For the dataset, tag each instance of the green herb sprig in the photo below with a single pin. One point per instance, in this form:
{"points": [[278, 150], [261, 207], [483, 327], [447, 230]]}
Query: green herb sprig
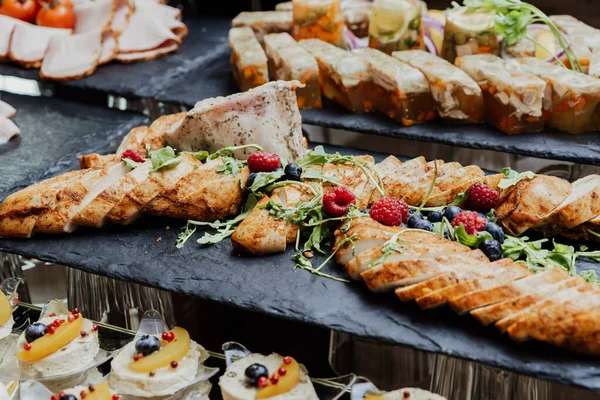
{"points": [[513, 177]]}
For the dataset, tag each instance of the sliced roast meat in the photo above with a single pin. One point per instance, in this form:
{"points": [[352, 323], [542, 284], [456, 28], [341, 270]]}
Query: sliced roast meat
{"points": [[8, 130], [145, 32], [368, 237], [6, 110], [148, 54], [72, 56], [267, 116], [29, 43], [94, 15], [123, 12], [7, 25], [419, 189], [95, 160], [110, 47], [447, 197], [158, 8]]}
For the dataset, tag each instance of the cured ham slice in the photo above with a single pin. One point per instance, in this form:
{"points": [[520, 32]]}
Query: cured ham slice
{"points": [[72, 56], [8, 130], [29, 43], [144, 33], [157, 9], [146, 55], [168, 20], [110, 48], [122, 14], [6, 110], [94, 15], [7, 25]]}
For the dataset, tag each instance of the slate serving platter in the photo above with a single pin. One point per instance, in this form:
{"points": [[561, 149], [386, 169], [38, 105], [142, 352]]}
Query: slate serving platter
{"points": [[207, 37], [54, 133], [215, 79], [145, 253]]}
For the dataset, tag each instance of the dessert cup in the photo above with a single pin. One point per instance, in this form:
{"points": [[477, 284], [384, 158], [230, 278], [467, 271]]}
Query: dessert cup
{"points": [[31, 390], [188, 379], [9, 299]]}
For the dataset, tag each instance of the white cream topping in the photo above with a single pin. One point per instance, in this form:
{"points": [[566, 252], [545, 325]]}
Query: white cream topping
{"points": [[74, 357], [165, 380], [6, 329], [3, 393]]}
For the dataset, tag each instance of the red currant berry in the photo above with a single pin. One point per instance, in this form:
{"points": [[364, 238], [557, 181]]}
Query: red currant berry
{"points": [[263, 382], [282, 371]]}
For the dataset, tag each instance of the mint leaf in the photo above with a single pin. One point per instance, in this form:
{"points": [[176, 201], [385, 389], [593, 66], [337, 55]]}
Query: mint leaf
{"points": [[513, 177]]}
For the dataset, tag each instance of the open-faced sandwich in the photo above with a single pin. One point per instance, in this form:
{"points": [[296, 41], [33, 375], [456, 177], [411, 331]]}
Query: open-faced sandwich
{"points": [[154, 365], [260, 377], [58, 345]]}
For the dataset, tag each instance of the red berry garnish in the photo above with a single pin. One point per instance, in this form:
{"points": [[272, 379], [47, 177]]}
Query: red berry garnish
{"points": [[82, 394], [27, 347], [481, 198], [52, 315], [168, 336], [263, 161], [54, 397], [287, 360], [472, 221], [94, 328], [133, 155], [282, 371], [51, 329], [337, 201], [75, 311], [91, 388], [16, 301], [174, 364], [83, 333], [274, 379], [71, 318], [263, 382], [115, 397], [390, 211]]}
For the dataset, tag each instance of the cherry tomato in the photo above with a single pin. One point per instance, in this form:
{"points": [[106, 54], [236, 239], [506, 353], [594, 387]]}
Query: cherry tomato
{"points": [[25, 10], [58, 15]]}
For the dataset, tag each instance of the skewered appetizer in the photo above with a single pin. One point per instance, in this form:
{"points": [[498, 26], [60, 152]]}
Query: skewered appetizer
{"points": [[458, 97], [248, 60], [467, 33], [396, 25], [512, 97], [100, 391], [343, 75], [319, 19], [260, 377], [153, 366], [289, 61], [58, 345], [399, 90]]}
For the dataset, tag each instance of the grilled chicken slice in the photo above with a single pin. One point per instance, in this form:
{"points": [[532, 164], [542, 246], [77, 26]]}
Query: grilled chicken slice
{"points": [[75, 196], [393, 274], [412, 244], [93, 214], [525, 204], [397, 176], [202, 195], [370, 234], [154, 136], [483, 279], [260, 232], [582, 204], [419, 189], [448, 196], [506, 290], [496, 311], [133, 201], [19, 211], [96, 161], [452, 277]]}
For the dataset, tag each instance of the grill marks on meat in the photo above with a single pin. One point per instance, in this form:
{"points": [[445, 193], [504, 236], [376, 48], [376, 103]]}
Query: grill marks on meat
{"points": [[549, 306]]}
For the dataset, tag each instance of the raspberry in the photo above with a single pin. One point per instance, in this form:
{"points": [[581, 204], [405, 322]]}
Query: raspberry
{"points": [[263, 162], [132, 155], [481, 198], [337, 201], [472, 221], [390, 211]]}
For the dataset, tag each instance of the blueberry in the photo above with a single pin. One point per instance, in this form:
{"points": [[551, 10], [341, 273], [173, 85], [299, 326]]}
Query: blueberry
{"points": [[251, 179], [492, 249], [423, 224], [435, 216], [35, 331], [446, 233], [451, 212], [496, 232], [254, 372], [147, 345], [67, 397], [293, 172], [413, 220], [482, 215]]}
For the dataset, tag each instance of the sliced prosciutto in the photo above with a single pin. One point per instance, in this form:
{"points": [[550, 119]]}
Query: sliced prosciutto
{"points": [[6, 110], [72, 56], [8, 130], [94, 15], [145, 33], [29, 43], [147, 55]]}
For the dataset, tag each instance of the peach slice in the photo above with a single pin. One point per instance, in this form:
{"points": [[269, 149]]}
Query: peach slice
{"points": [[51, 343], [5, 309], [169, 352], [286, 382], [101, 392]]}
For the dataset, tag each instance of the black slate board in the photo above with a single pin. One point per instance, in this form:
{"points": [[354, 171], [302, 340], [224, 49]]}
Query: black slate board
{"points": [[207, 37], [215, 79], [53, 134], [145, 253]]}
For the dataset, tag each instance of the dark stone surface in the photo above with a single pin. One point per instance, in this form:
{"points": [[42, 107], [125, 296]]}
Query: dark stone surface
{"points": [[53, 134], [207, 36], [145, 253]]}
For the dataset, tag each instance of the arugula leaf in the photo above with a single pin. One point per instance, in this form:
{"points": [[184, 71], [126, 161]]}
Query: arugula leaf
{"points": [[230, 166], [513, 177], [591, 276], [389, 247], [264, 179], [318, 175], [199, 155], [564, 256], [472, 241], [431, 187], [163, 158], [130, 163]]}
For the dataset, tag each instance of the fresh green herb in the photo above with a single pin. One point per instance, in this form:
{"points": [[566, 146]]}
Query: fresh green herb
{"points": [[315, 174], [431, 187], [130, 163], [594, 233], [298, 213], [389, 247], [513, 177], [472, 241], [590, 276], [263, 180], [231, 165], [512, 17], [199, 155], [162, 158]]}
